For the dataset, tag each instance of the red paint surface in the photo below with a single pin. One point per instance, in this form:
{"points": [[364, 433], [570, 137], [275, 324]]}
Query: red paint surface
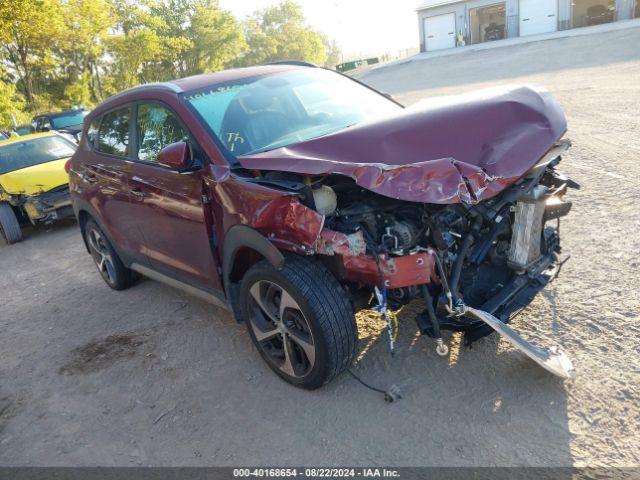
{"points": [[359, 267], [461, 149], [457, 149]]}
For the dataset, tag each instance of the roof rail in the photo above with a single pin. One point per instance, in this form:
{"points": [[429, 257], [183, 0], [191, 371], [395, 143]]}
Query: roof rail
{"points": [[146, 86], [298, 63]]}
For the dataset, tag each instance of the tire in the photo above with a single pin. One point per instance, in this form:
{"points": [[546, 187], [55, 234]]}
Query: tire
{"points": [[9, 226], [111, 268], [312, 338]]}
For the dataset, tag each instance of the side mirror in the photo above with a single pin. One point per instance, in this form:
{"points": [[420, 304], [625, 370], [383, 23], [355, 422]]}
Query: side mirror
{"points": [[176, 156]]}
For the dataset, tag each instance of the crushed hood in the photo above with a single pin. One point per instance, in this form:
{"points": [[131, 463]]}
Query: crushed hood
{"points": [[464, 148]]}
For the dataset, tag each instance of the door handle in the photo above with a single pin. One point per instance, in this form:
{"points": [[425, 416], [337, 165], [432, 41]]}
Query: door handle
{"points": [[90, 177], [136, 192]]}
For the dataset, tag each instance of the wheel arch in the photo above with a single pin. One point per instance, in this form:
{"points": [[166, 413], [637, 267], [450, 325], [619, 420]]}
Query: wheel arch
{"points": [[244, 247], [83, 218], [84, 213]]}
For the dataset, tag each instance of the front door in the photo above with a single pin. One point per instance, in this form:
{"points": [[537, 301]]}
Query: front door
{"points": [[168, 206]]}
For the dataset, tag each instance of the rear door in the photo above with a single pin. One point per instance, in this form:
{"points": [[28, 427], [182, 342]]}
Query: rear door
{"points": [[168, 206], [538, 16], [440, 32], [104, 173]]}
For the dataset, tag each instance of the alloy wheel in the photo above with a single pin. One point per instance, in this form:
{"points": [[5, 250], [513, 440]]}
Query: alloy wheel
{"points": [[281, 330], [102, 256]]}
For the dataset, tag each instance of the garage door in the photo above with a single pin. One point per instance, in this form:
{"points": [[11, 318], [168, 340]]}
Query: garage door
{"points": [[538, 16], [440, 32]]}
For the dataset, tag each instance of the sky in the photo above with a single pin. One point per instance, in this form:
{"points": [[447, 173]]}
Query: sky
{"points": [[361, 27]]}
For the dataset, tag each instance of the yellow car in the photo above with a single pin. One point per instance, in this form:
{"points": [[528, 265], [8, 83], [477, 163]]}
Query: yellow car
{"points": [[34, 185]]}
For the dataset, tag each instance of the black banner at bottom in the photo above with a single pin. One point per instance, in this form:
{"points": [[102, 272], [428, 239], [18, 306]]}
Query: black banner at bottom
{"points": [[392, 473]]}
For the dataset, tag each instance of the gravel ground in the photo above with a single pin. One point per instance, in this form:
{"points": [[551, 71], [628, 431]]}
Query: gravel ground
{"points": [[89, 376]]}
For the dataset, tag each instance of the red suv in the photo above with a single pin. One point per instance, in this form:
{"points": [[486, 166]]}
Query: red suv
{"points": [[294, 196]]}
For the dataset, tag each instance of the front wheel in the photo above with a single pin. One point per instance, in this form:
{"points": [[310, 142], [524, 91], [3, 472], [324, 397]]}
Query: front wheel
{"points": [[111, 268], [9, 225], [300, 319]]}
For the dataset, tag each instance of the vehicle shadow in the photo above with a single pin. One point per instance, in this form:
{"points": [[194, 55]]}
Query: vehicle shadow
{"points": [[497, 407], [30, 232]]}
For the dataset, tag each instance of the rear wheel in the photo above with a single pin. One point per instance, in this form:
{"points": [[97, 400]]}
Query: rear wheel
{"points": [[300, 319], [111, 268], [9, 226]]}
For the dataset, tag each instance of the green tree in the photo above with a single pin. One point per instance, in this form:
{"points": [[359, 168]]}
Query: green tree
{"points": [[198, 35], [80, 91], [164, 39], [282, 33], [82, 47], [334, 53], [29, 30], [10, 103], [217, 38], [136, 56], [59, 53]]}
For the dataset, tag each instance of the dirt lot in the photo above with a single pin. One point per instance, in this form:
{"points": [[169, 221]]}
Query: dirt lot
{"points": [[150, 376]]}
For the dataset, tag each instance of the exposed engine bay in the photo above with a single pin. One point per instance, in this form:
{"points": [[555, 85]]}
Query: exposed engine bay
{"points": [[489, 258]]}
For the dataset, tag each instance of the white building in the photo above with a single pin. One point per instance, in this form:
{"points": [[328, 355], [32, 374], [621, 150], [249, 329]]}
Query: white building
{"points": [[451, 23]]}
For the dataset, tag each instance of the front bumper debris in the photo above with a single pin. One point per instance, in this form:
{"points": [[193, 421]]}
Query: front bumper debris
{"points": [[552, 359], [49, 206]]}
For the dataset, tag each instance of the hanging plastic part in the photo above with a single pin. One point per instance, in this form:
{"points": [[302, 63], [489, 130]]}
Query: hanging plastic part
{"points": [[389, 317], [551, 359]]}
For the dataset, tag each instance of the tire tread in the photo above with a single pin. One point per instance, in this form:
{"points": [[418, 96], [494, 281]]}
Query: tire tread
{"points": [[330, 306], [9, 224]]}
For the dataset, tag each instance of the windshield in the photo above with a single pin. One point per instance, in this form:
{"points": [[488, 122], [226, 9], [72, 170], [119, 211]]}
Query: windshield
{"points": [[69, 120], [264, 113], [27, 153]]}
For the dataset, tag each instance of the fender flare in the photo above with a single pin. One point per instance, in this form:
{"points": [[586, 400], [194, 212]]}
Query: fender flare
{"points": [[242, 236]]}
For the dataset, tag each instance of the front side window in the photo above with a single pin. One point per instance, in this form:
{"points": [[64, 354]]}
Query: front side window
{"points": [[113, 134], [19, 155], [267, 112], [157, 127]]}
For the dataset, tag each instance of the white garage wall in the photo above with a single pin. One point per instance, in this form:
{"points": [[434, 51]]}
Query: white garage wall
{"points": [[461, 10], [440, 32], [538, 16], [457, 8]]}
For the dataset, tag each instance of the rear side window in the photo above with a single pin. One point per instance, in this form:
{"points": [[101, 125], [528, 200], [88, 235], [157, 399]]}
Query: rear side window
{"points": [[113, 134], [157, 127], [92, 132]]}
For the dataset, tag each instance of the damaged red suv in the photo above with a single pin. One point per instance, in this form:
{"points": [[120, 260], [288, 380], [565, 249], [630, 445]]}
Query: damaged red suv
{"points": [[295, 196]]}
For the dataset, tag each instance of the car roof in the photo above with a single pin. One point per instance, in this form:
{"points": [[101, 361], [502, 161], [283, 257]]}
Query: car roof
{"points": [[23, 138], [198, 82]]}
